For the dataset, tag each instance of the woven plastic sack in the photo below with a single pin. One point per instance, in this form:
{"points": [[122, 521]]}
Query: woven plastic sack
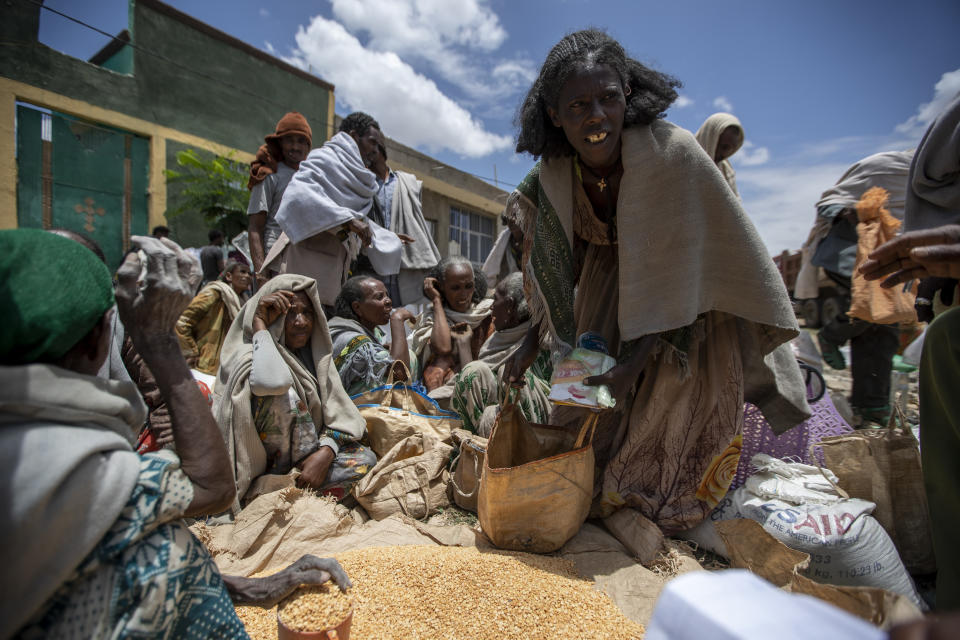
{"points": [[537, 482]]}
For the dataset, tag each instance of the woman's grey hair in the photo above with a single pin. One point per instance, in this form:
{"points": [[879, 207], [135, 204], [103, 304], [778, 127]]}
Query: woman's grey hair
{"points": [[350, 292], [479, 280], [512, 287]]}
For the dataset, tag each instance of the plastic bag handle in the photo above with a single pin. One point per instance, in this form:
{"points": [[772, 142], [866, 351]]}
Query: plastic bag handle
{"points": [[406, 403]]}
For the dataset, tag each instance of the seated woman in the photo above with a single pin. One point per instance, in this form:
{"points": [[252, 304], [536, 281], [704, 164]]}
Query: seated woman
{"points": [[451, 332], [479, 385], [98, 530], [279, 400], [361, 357], [203, 324]]}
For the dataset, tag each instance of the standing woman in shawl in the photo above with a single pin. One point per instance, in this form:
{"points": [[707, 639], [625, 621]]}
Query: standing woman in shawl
{"points": [[278, 399], [477, 388], [630, 232], [721, 136], [450, 333], [204, 323], [360, 356]]}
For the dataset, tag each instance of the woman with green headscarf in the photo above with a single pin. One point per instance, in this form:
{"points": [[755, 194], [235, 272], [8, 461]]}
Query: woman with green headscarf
{"points": [[93, 543]]}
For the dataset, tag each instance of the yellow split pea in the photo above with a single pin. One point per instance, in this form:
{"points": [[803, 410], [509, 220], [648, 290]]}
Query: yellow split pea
{"points": [[464, 593]]}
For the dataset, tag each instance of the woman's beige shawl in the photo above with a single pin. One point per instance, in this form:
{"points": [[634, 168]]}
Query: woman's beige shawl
{"points": [[686, 247], [328, 403], [230, 298], [709, 137]]}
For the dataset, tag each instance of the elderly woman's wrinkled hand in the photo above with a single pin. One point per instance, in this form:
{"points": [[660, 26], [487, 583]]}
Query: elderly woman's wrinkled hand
{"points": [[916, 254], [155, 285], [272, 307], [307, 571]]}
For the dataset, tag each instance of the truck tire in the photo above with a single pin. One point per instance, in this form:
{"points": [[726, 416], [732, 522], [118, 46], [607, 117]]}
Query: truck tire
{"points": [[810, 312], [830, 309]]}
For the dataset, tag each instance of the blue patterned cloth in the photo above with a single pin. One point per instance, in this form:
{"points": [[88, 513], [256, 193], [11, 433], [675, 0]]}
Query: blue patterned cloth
{"points": [[149, 577]]}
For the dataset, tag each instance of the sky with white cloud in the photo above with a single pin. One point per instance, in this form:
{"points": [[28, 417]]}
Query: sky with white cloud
{"points": [[817, 86]]}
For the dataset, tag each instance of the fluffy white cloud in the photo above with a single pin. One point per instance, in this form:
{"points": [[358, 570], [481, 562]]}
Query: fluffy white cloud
{"points": [[683, 101], [410, 107], [780, 200], [945, 90], [751, 155], [723, 104], [454, 37]]}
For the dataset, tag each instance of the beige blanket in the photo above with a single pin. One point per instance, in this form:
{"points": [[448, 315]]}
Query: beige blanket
{"points": [[324, 396], [686, 247]]}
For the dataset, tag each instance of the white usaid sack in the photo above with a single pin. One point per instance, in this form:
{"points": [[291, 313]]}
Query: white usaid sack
{"points": [[799, 507]]}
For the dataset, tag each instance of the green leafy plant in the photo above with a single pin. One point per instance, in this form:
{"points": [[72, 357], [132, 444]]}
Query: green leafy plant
{"points": [[214, 186]]}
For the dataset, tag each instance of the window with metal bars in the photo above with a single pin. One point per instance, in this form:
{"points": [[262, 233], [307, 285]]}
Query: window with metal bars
{"points": [[471, 234]]}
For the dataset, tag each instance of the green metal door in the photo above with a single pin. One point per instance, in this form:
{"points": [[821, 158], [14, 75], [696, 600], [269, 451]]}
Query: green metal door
{"points": [[81, 176]]}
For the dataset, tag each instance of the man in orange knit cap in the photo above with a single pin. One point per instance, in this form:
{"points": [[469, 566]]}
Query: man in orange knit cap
{"points": [[276, 162]]}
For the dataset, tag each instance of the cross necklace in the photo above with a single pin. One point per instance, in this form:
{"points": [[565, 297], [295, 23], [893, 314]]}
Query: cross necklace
{"points": [[602, 182]]}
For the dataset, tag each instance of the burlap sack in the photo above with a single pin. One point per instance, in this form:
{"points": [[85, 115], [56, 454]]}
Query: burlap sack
{"points": [[396, 411], [752, 547], [868, 300], [467, 469], [537, 483], [410, 479], [883, 466]]}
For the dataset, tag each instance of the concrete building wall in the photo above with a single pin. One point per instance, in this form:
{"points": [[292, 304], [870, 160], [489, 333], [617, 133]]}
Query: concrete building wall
{"points": [[190, 84], [181, 83]]}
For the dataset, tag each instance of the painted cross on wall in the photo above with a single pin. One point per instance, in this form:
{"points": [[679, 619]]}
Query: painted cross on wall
{"points": [[89, 211]]}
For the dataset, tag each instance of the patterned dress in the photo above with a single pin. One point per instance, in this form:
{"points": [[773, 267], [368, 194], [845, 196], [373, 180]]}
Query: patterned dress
{"points": [[289, 435], [149, 577]]}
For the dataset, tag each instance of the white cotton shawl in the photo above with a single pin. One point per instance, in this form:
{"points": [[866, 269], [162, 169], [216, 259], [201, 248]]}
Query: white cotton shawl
{"points": [[406, 216], [419, 339], [501, 252], [709, 137], [888, 170], [331, 188], [501, 344], [324, 396], [69, 468]]}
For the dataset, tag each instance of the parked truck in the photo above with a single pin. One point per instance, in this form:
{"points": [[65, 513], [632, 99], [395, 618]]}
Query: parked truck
{"points": [[815, 312]]}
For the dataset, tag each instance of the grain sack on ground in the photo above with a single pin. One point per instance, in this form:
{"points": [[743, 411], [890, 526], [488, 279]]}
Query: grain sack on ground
{"points": [[463, 593]]}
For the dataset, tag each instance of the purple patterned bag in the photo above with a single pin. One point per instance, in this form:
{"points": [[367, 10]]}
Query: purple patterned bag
{"points": [[794, 444]]}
